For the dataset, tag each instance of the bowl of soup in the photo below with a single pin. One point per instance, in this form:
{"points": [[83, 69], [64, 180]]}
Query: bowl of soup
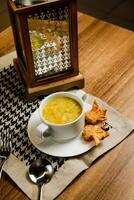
{"points": [[63, 114]]}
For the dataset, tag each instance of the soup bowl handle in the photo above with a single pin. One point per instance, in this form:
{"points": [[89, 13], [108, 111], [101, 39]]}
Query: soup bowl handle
{"points": [[43, 130], [81, 94]]}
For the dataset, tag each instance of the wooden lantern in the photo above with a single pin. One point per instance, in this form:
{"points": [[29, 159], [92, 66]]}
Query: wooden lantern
{"points": [[46, 42]]}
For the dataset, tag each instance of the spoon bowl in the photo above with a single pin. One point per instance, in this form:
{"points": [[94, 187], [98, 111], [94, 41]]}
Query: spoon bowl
{"points": [[40, 172]]}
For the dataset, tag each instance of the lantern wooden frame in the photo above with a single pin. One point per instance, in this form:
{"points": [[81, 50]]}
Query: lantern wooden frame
{"points": [[24, 64]]}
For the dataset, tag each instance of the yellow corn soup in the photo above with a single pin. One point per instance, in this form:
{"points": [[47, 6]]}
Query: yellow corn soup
{"points": [[61, 110]]}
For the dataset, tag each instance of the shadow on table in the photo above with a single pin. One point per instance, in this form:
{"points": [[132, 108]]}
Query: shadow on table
{"points": [[118, 12]]}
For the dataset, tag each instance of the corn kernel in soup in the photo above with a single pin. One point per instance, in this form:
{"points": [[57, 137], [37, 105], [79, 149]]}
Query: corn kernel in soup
{"points": [[61, 110]]}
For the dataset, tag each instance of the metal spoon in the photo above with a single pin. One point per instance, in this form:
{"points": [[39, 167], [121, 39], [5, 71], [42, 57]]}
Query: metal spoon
{"points": [[40, 172]]}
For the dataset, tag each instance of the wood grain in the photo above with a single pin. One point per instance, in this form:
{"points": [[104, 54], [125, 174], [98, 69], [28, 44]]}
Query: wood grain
{"points": [[6, 41], [106, 59]]}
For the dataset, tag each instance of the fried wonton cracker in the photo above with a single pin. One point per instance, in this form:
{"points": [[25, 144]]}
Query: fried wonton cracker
{"points": [[96, 114], [92, 132]]}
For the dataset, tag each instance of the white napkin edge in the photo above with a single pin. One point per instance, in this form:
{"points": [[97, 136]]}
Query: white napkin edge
{"points": [[18, 172], [7, 59]]}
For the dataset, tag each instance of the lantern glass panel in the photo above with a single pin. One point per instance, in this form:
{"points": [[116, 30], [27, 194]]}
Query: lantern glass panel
{"points": [[50, 42]]}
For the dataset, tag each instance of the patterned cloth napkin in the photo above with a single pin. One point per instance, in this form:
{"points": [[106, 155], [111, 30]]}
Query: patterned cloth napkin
{"points": [[14, 115]]}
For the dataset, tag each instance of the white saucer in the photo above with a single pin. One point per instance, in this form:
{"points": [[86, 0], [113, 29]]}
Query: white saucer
{"points": [[69, 148]]}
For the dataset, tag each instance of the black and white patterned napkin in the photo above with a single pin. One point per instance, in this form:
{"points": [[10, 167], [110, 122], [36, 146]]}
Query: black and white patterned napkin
{"points": [[15, 112]]}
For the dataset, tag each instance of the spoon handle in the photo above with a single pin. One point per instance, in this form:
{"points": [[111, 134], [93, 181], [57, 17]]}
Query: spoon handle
{"points": [[40, 192]]}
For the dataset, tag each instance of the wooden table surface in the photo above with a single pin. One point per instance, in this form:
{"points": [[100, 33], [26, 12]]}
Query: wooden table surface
{"points": [[106, 59]]}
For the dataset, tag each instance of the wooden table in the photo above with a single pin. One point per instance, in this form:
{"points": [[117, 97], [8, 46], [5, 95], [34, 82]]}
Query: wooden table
{"points": [[106, 59]]}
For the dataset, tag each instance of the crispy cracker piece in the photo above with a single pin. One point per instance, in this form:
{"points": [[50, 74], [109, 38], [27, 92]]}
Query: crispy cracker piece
{"points": [[94, 133], [96, 114]]}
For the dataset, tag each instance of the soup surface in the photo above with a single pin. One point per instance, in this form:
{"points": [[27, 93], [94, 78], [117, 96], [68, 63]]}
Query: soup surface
{"points": [[62, 110]]}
